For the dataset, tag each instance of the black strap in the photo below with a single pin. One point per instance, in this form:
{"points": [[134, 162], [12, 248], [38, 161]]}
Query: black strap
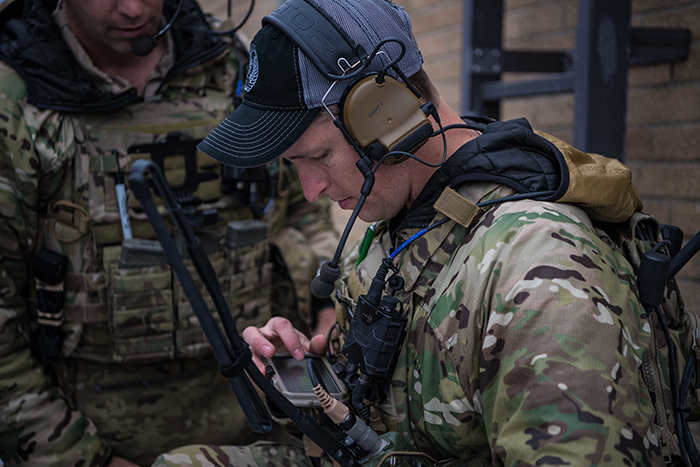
{"points": [[328, 47], [237, 367]]}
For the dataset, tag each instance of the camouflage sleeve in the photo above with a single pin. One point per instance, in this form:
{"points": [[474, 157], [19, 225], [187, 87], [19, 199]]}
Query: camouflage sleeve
{"points": [[562, 342], [37, 425], [312, 219]]}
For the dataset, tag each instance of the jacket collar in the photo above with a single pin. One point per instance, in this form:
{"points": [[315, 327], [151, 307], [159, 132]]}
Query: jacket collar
{"points": [[507, 158]]}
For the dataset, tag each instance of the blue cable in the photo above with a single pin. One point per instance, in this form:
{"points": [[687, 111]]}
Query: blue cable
{"points": [[417, 236], [485, 203]]}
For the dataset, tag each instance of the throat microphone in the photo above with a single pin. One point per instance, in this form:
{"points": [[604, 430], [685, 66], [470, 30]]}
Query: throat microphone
{"points": [[144, 45]]}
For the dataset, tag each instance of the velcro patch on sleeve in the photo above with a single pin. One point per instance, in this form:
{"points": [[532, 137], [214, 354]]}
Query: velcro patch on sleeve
{"points": [[457, 208]]}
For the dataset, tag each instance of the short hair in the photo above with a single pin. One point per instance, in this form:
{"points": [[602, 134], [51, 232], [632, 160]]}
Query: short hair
{"points": [[426, 88]]}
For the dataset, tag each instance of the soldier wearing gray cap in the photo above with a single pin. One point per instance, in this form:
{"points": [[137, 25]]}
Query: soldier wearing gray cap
{"points": [[519, 334]]}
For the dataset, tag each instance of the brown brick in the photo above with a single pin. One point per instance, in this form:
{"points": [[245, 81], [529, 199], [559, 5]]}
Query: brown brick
{"points": [[678, 181], [446, 13], [680, 143], [516, 108], [691, 272], [570, 11], [649, 74], [664, 143], [548, 111], [536, 20], [556, 40], [564, 134], [412, 5], [673, 104], [686, 215], [639, 6], [447, 67], [660, 209], [446, 40], [690, 291], [687, 17], [556, 110], [638, 144], [513, 4], [688, 69]]}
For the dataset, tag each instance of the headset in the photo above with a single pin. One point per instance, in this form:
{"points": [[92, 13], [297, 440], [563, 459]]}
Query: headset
{"points": [[379, 114], [381, 117], [145, 44]]}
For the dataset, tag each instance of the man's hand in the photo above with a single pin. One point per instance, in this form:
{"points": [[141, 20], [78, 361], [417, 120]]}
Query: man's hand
{"points": [[278, 335], [119, 462]]}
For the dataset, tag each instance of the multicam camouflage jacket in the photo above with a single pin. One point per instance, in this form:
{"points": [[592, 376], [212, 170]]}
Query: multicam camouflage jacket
{"points": [[60, 120], [526, 338]]}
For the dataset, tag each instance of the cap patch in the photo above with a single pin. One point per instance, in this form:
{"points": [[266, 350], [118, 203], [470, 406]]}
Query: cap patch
{"points": [[253, 69]]}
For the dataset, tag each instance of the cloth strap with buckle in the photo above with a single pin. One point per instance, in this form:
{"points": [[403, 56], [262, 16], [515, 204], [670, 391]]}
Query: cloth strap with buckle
{"points": [[70, 215]]}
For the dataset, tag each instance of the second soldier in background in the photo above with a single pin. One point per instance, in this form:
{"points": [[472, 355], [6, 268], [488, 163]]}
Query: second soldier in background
{"points": [[125, 371]]}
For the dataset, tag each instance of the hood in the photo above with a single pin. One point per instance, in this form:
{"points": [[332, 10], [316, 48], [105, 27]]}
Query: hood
{"points": [[535, 163], [31, 43]]}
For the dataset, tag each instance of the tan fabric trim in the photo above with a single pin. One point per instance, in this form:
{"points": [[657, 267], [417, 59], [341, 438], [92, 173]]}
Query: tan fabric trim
{"points": [[70, 215], [50, 319], [51, 288], [457, 208]]}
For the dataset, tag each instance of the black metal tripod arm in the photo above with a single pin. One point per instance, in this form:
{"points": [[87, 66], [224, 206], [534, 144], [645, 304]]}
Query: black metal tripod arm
{"points": [[139, 186], [255, 411], [206, 272], [682, 257]]}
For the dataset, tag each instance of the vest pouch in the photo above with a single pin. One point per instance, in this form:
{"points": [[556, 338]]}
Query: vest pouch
{"points": [[190, 340], [142, 319], [250, 284], [85, 316]]}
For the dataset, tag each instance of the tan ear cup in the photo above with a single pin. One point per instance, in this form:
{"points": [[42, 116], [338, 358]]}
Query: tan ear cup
{"points": [[385, 117]]}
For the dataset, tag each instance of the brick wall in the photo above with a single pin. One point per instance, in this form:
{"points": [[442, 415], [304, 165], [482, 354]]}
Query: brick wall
{"points": [[663, 108], [663, 137]]}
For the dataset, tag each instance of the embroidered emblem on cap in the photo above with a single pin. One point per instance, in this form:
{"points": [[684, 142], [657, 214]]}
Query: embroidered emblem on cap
{"points": [[253, 69]]}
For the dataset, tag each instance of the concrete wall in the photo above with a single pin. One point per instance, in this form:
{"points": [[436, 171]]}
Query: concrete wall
{"points": [[663, 137]]}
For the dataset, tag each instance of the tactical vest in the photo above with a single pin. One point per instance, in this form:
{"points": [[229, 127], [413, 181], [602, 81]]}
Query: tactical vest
{"points": [[140, 314]]}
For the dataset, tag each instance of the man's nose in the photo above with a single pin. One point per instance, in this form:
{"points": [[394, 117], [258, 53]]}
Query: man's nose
{"points": [[131, 8], [313, 182]]}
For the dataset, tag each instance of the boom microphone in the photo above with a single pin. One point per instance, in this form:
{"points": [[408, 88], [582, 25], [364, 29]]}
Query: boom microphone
{"points": [[324, 283], [144, 45]]}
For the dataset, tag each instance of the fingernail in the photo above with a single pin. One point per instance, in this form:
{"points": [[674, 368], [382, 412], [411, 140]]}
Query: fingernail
{"points": [[267, 350], [298, 354]]}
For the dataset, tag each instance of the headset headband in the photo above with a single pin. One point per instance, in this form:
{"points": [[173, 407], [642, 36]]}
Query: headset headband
{"points": [[328, 47]]}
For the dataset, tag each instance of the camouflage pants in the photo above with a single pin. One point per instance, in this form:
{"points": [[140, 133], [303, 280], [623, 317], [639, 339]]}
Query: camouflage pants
{"points": [[143, 410], [262, 453]]}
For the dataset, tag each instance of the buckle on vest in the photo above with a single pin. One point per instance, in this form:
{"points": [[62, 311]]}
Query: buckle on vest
{"points": [[70, 215]]}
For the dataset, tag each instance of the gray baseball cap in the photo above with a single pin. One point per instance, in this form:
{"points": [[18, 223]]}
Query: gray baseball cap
{"points": [[286, 83]]}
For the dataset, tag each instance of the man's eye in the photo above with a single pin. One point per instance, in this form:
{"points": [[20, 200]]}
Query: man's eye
{"points": [[322, 156]]}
